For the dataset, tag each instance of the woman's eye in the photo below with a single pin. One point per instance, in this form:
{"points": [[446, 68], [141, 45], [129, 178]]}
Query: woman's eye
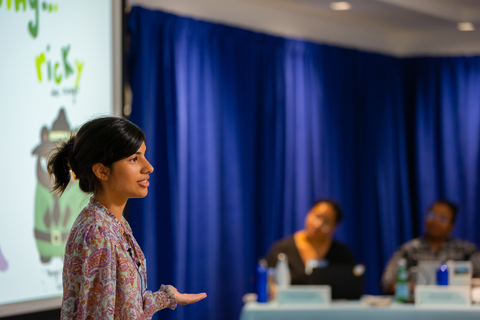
{"points": [[133, 159]]}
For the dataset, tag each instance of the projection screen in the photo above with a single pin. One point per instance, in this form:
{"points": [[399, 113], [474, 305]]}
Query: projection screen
{"points": [[60, 65]]}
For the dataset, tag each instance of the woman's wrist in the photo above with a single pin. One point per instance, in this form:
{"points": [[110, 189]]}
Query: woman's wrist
{"points": [[172, 300]]}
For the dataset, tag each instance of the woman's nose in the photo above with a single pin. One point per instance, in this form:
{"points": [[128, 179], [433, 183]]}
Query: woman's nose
{"points": [[148, 167]]}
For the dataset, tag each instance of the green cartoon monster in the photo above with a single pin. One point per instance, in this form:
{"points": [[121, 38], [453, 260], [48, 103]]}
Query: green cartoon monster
{"points": [[54, 215]]}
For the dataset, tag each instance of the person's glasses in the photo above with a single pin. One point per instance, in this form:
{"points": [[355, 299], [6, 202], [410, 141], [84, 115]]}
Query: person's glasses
{"points": [[325, 222], [440, 219]]}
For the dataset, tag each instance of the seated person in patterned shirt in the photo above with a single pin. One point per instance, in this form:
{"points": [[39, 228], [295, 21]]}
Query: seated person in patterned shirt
{"points": [[314, 242], [104, 275], [435, 245]]}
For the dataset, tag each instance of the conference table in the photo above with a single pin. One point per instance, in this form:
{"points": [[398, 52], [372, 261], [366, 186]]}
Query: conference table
{"points": [[355, 310]]}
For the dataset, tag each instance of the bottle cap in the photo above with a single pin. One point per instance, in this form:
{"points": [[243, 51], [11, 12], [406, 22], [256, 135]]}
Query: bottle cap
{"points": [[282, 256]]}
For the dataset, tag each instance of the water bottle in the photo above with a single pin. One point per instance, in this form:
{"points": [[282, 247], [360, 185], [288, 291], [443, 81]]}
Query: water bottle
{"points": [[262, 281], [402, 287], [283, 272], [442, 275]]}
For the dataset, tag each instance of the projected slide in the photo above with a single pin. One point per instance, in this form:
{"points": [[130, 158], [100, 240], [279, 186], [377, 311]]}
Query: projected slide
{"points": [[55, 74]]}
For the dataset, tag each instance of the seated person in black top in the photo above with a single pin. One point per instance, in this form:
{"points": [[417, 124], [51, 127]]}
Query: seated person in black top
{"points": [[313, 242]]}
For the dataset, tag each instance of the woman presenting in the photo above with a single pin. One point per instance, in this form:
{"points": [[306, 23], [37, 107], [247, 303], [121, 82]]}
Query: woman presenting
{"points": [[104, 273]]}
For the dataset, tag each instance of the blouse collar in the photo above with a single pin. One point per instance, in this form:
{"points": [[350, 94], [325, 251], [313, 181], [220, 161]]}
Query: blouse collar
{"points": [[120, 226]]}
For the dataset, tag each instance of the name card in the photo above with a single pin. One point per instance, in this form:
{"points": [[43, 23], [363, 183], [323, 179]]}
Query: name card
{"points": [[459, 273], [437, 296], [318, 295]]}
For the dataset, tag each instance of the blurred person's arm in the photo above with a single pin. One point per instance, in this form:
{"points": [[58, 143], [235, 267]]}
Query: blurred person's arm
{"points": [[389, 276], [272, 254], [475, 259]]}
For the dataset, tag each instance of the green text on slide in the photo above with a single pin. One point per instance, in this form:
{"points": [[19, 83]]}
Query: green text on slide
{"points": [[34, 5]]}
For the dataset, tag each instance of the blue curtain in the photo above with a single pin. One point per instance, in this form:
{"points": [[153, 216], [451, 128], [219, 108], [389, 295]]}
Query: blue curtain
{"points": [[245, 130], [446, 140]]}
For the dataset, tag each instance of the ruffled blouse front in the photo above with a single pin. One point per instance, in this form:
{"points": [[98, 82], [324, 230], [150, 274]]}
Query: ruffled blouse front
{"points": [[104, 272]]}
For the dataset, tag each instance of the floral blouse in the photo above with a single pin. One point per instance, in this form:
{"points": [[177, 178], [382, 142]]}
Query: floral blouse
{"points": [[104, 273]]}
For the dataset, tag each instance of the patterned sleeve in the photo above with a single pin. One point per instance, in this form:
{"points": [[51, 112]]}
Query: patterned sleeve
{"points": [[91, 275], [130, 303], [163, 298], [475, 258], [101, 282], [390, 273]]}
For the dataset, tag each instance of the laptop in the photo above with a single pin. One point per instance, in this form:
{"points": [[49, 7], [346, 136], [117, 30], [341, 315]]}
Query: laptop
{"points": [[426, 272], [344, 282]]}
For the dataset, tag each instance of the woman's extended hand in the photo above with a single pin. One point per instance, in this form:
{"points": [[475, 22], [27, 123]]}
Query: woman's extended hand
{"points": [[187, 298]]}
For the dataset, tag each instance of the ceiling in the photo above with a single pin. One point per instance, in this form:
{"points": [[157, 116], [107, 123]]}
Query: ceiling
{"points": [[396, 27], [395, 15]]}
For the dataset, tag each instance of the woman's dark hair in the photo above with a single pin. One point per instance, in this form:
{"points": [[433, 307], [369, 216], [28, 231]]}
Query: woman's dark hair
{"points": [[336, 207], [103, 140], [452, 206]]}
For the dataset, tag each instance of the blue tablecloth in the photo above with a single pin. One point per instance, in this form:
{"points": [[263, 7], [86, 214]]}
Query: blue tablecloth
{"points": [[355, 310]]}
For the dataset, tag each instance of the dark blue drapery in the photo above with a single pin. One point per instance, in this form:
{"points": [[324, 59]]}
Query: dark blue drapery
{"points": [[447, 137], [245, 130]]}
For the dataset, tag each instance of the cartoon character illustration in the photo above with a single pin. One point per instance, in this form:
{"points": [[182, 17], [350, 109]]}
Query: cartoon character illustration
{"points": [[3, 262], [54, 215]]}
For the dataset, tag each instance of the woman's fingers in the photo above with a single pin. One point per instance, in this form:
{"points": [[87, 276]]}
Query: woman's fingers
{"points": [[197, 297], [187, 298]]}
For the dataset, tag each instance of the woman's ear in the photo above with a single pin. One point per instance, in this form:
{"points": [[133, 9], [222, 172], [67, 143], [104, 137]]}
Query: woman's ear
{"points": [[100, 171]]}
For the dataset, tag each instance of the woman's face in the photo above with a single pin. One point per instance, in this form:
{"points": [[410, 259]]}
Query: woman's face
{"points": [[320, 221], [129, 176]]}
